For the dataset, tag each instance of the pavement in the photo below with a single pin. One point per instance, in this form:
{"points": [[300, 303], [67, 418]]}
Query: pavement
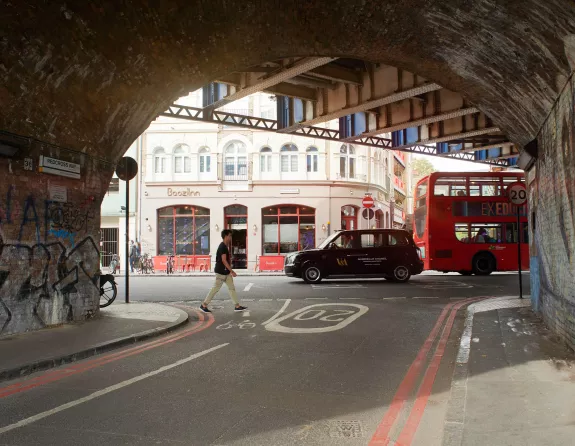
{"points": [[445, 360], [118, 325]]}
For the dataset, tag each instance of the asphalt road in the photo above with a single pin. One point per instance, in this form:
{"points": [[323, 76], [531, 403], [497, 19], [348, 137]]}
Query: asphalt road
{"points": [[338, 363]]}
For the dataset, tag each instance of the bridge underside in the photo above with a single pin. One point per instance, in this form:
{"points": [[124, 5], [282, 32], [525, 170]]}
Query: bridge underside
{"points": [[466, 79]]}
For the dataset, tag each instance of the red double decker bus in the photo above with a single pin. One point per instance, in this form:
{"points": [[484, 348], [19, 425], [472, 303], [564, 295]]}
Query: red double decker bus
{"points": [[463, 222]]}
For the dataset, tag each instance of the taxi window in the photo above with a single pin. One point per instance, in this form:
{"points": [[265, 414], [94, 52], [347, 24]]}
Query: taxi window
{"points": [[372, 240], [344, 241], [398, 239]]}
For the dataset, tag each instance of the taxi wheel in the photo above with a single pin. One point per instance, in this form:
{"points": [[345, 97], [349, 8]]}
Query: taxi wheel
{"points": [[312, 274], [401, 274]]}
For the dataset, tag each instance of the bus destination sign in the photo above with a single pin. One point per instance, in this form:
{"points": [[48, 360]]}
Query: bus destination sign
{"points": [[486, 209]]}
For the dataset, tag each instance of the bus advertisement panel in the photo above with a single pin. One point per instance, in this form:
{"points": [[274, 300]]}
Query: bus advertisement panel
{"points": [[463, 222]]}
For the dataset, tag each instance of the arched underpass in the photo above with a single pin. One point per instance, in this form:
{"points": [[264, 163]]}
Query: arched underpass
{"points": [[82, 81]]}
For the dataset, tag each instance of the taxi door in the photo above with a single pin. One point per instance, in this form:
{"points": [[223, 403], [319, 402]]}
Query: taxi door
{"points": [[340, 258], [373, 259]]}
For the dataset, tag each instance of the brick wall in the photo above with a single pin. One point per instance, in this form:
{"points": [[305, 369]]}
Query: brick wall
{"points": [[49, 250], [552, 198]]}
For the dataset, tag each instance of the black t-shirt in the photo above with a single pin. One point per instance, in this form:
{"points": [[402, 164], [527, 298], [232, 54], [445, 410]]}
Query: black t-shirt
{"points": [[220, 267]]}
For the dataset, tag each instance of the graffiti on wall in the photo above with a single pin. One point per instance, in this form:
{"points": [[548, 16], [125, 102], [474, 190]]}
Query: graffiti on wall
{"points": [[50, 266]]}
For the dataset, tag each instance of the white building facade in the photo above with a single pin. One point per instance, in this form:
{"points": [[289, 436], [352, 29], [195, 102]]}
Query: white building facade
{"points": [[279, 192]]}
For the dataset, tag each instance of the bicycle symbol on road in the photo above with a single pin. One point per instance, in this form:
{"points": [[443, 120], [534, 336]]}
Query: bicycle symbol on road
{"points": [[241, 325]]}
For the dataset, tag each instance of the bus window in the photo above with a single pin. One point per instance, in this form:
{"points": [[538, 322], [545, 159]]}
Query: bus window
{"points": [[511, 233], [421, 190], [484, 187], [462, 232], [487, 233], [450, 186]]}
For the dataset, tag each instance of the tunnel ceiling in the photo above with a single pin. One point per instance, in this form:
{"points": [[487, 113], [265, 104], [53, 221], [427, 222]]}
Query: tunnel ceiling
{"points": [[92, 75]]}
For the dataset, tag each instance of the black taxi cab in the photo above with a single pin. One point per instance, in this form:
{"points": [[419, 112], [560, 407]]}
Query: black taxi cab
{"points": [[388, 253]]}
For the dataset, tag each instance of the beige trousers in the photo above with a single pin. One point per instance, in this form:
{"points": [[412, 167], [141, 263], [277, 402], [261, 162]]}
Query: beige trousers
{"points": [[220, 279]]}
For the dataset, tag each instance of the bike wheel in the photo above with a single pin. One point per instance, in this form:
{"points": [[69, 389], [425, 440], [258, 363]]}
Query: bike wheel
{"points": [[108, 293]]}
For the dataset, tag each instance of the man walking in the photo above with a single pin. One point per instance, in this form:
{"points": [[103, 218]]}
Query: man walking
{"points": [[133, 255], [224, 273]]}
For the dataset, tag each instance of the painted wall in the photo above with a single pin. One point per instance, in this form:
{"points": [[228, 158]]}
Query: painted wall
{"points": [[49, 258], [552, 198]]}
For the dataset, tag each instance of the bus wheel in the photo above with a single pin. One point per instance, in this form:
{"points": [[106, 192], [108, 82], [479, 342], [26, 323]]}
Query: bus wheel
{"points": [[483, 264], [465, 273], [312, 274]]}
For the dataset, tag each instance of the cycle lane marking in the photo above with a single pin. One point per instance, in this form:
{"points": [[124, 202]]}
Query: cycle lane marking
{"points": [[99, 393], [57, 375]]}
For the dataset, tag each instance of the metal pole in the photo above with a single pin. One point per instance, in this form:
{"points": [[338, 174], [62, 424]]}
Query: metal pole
{"points": [[519, 253], [127, 237]]}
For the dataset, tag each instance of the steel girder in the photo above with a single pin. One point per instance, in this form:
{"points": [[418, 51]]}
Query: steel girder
{"points": [[232, 119]]}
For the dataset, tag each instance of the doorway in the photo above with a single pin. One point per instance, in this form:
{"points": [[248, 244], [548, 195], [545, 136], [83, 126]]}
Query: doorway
{"points": [[236, 219]]}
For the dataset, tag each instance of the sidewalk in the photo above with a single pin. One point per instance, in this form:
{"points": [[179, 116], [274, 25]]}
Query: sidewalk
{"points": [[514, 382], [119, 324], [240, 273]]}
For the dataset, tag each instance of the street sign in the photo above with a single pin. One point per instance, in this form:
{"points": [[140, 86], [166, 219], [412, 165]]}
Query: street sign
{"points": [[367, 202], [127, 168], [517, 193], [368, 214]]}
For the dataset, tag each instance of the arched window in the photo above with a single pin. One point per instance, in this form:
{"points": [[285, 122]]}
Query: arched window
{"points": [[235, 161], [205, 160], [347, 161], [349, 217], [289, 158], [183, 230], [311, 158], [182, 160], [288, 228], [265, 159], [159, 160]]}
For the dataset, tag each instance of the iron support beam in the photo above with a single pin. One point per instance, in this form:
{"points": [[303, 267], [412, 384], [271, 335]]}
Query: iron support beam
{"points": [[368, 105], [223, 118], [299, 67], [477, 149], [418, 122], [337, 74]]}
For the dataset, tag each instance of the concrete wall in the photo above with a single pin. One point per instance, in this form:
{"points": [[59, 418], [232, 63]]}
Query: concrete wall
{"points": [[49, 259], [552, 198]]}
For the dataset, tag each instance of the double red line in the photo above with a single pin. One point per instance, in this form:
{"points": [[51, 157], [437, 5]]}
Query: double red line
{"points": [[381, 436], [56, 375]]}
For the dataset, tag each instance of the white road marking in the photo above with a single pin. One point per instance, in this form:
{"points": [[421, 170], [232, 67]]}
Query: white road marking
{"points": [[315, 298], [246, 314], [99, 393], [248, 286], [282, 309], [400, 297], [343, 321], [248, 300], [266, 300], [426, 297], [350, 298]]}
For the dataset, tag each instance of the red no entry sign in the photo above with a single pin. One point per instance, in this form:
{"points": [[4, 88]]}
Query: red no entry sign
{"points": [[367, 202]]}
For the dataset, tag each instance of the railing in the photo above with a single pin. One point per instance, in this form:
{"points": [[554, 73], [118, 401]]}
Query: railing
{"points": [[234, 171], [399, 183]]}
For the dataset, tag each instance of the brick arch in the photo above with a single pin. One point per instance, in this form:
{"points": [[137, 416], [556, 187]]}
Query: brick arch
{"points": [[110, 78]]}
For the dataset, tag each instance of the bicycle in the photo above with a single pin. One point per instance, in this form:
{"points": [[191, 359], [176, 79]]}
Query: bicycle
{"points": [[145, 264], [114, 263], [108, 290]]}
